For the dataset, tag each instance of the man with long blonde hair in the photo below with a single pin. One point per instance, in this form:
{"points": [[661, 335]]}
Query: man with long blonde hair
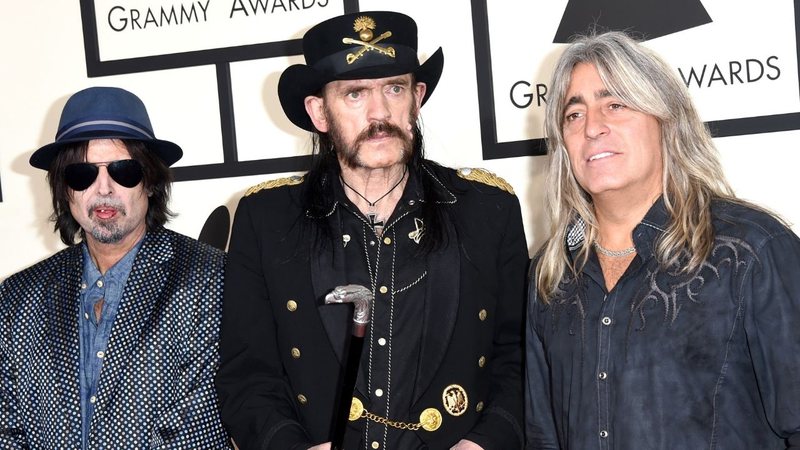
{"points": [[662, 310]]}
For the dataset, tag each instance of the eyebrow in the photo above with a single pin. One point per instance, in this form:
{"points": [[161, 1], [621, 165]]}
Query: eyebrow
{"points": [[578, 99]]}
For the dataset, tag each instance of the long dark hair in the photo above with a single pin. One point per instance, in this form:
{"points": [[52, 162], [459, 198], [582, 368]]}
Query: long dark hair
{"points": [[156, 183], [318, 195]]}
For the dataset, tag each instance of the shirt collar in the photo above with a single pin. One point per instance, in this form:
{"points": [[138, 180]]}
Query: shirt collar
{"points": [[117, 272], [652, 225]]}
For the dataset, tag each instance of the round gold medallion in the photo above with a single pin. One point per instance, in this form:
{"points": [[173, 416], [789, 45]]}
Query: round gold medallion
{"points": [[430, 419], [356, 408], [455, 400]]}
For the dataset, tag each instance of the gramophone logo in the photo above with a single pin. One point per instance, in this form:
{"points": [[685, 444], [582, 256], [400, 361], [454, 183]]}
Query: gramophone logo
{"points": [[649, 18], [743, 82]]}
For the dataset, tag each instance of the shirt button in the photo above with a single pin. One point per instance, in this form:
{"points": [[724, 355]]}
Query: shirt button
{"points": [[411, 203], [86, 315], [606, 321], [603, 434], [83, 285], [291, 305], [482, 315], [101, 354], [381, 342], [376, 445], [302, 399], [372, 243], [384, 289], [99, 283], [379, 392], [602, 375], [481, 361], [93, 399], [387, 240], [295, 353]]}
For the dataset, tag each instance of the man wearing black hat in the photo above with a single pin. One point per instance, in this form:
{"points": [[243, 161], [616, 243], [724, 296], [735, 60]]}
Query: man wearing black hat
{"points": [[112, 342], [443, 252]]}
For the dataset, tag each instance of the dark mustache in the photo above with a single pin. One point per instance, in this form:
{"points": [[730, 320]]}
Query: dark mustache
{"points": [[376, 128]]}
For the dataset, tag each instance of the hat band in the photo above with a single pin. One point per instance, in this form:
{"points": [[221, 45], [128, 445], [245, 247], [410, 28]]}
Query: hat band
{"points": [[337, 65], [104, 122]]}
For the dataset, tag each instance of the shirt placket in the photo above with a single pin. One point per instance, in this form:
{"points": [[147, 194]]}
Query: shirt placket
{"points": [[381, 345], [604, 353]]}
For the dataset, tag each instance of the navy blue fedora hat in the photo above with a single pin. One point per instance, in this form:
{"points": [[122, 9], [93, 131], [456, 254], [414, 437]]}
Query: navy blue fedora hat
{"points": [[104, 113], [364, 45]]}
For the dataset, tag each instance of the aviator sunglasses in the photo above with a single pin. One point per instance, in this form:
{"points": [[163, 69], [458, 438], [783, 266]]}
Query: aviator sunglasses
{"points": [[126, 172]]}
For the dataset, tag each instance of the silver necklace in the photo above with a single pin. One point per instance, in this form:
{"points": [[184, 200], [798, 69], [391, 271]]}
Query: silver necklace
{"points": [[372, 214], [614, 253]]}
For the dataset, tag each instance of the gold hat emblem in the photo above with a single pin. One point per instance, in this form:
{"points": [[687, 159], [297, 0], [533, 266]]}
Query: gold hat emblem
{"points": [[364, 26], [455, 400]]}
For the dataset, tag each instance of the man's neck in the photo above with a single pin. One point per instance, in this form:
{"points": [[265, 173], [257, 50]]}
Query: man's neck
{"points": [[375, 191], [106, 255], [618, 215]]}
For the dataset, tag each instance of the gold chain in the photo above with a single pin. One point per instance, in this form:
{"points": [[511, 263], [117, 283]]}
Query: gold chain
{"points": [[384, 421]]}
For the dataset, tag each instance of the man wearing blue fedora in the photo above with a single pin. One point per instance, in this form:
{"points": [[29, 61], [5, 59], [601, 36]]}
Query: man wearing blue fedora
{"points": [[111, 342], [442, 251]]}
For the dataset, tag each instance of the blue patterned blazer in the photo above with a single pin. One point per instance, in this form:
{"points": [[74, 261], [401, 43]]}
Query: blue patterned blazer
{"points": [[156, 385]]}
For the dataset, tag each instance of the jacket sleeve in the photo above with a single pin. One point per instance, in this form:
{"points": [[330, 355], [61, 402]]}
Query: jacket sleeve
{"points": [[539, 425], [256, 401], [12, 435], [193, 420], [771, 295], [501, 423]]}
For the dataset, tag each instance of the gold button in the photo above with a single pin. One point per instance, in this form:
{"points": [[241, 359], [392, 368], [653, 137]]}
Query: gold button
{"points": [[482, 315], [430, 419], [384, 289], [376, 445], [295, 352], [479, 407], [302, 399], [291, 305], [481, 361], [387, 240]]}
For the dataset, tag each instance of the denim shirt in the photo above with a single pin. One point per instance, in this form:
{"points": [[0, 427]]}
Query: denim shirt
{"points": [[709, 360], [94, 334]]}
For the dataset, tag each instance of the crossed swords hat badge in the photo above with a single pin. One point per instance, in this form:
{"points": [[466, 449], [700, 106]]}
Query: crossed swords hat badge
{"points": [[364, 45]]}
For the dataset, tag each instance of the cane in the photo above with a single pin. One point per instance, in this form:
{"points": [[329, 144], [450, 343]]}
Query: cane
{"points": [[362, 299]]}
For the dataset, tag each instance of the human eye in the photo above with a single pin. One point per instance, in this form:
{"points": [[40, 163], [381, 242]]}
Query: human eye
{"points": [[616, 106], [572, 116], [354, 94], [396, 89]]}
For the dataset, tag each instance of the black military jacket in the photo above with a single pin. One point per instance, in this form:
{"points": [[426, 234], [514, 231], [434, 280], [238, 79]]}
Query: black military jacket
{"points": [[281, 347]]}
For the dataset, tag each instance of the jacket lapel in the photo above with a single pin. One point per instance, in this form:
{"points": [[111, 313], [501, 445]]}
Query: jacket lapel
{"points": [[441, 309], [328, 270], [63, 333], [141, 294]]}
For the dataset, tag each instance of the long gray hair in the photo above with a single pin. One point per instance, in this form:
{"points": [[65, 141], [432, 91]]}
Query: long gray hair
{"points": [[692, 174]]}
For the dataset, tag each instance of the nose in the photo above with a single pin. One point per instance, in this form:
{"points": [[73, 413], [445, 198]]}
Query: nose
{"points": [[104, 181], [378, 107], [595, 125]]}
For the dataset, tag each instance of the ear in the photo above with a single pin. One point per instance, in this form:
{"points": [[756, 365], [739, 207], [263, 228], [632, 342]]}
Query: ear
{"points": [[316, 111], [420, 89]]}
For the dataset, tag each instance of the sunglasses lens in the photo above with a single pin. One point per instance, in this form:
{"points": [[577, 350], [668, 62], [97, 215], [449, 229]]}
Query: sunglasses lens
{"points": [[126, 172], [80, 176]]}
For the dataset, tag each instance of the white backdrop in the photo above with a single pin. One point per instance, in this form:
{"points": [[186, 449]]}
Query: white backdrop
{"points": [[44, 62]]}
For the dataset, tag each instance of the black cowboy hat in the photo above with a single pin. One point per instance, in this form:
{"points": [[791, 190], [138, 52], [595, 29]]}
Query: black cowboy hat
{"points": [[364, 45], [104, 113]]}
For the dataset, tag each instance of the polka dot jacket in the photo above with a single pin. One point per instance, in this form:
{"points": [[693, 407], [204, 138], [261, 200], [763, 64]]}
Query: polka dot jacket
{"points": [[156, 385]]}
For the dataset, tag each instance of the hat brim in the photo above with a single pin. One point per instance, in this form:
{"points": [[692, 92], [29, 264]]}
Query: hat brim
{"points": [[167, 151], [299, 81]]}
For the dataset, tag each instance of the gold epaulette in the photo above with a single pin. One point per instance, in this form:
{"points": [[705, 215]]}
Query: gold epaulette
{"points": [[485, 177], [269, 184]]}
